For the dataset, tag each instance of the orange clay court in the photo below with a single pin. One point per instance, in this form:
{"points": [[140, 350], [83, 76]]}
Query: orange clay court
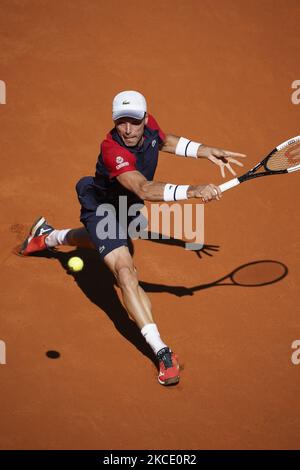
{"points": [[78, 374]]}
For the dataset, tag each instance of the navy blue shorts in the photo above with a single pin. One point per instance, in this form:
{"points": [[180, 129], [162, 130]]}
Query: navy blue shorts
{"points": [[92, 202]]}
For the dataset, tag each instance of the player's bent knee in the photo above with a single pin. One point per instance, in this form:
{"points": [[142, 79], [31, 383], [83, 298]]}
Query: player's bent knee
{"points": [[127, 277], [82, 183]]}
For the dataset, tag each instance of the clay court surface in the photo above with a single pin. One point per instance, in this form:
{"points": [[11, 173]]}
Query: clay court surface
{"points": [[219, 72]]}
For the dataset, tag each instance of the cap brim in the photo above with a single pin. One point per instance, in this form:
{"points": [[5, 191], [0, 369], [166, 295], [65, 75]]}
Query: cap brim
{"points": [[132, 113]]}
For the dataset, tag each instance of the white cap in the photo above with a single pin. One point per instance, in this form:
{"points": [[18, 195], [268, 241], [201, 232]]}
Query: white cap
{"points": [[129, 104]]}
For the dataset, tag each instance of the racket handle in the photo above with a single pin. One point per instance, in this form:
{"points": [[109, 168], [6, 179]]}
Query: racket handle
{"points": [[229, 184]]}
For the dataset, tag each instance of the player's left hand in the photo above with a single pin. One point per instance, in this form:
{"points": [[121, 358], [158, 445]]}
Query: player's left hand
{"points": [[222, 158]]}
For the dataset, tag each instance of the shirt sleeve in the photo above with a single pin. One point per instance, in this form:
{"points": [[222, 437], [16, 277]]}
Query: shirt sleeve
{"points": [[152, 123], [116, 159]]}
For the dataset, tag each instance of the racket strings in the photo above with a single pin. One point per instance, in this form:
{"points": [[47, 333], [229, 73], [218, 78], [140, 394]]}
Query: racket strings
{"points": [[285, 158]]}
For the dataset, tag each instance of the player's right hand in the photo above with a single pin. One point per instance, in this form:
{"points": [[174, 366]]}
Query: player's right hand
{"points": [[207, 192]]}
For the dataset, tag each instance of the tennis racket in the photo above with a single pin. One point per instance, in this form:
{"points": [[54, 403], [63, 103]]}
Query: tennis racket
{"points": [[281, 160]]}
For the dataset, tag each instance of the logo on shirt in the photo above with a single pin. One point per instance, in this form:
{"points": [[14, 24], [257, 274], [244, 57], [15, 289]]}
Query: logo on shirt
{"points": [[120, 162], [153, 143], [121, 165]]}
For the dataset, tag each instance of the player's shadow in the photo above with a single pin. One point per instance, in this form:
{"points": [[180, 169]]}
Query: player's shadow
{"points": [[198, 249], [99, 285]]}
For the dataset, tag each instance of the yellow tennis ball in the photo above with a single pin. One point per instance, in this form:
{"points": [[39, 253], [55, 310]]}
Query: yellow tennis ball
{"points": [[75, 264]]}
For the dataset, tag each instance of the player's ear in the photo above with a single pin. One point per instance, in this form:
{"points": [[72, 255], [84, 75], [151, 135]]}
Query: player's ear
{"points": [[146, 118]]}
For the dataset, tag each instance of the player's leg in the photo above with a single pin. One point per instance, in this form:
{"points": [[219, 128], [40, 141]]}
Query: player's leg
{"points": [[73, 237], [115, 254], [43, 236], [138, 306], [135, 300]]}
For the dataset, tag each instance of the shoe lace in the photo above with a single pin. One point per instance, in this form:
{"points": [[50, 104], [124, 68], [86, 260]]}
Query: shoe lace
{"points": [[165, 355]]}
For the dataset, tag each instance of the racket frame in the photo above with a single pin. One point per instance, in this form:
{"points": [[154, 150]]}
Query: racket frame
{"points": [[251, 174]]}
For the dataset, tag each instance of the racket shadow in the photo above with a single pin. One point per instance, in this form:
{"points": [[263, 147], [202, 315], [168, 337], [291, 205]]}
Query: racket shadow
{"points": [[253, 274]]}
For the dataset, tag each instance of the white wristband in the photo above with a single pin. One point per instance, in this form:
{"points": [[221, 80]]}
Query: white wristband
{"points": [[173, 192], [187, 148]]}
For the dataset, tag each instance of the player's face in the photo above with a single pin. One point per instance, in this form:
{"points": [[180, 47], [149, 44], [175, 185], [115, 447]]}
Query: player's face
{"points": [[131, 130]]}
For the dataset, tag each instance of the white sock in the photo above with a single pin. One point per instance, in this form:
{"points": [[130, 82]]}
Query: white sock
{"points": [[57, 237], [152, 336]]}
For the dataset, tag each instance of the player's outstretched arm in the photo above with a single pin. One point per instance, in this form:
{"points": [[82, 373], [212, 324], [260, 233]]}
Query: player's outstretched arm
{"points": [[187, 148], [146, 190]]}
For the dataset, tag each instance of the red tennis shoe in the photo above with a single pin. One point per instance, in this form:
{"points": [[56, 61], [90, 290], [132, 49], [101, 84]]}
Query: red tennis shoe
{"points": [[168, 367], [35, 240]]}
